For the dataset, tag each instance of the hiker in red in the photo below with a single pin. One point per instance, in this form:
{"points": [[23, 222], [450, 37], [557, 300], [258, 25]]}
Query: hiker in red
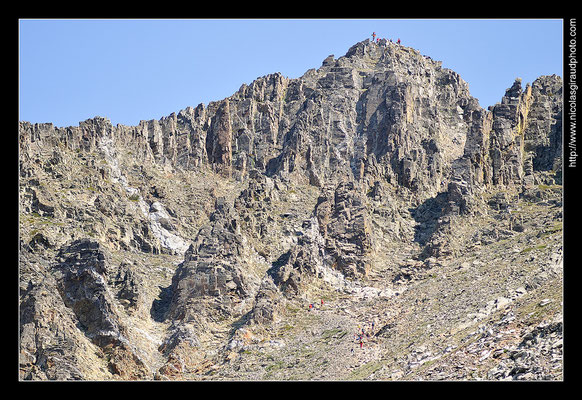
{"points": [[398, 41]]}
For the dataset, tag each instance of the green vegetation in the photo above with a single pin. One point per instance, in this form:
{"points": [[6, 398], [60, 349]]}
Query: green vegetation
{"points": [[364, 371], [276, 366], [335, 333], [535, 311]]}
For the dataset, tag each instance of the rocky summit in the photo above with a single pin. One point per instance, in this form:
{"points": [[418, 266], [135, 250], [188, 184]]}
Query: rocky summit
{"points": [[366, 221]]}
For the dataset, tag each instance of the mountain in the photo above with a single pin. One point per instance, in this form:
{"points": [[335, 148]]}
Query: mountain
{"points": [[255, 237]]}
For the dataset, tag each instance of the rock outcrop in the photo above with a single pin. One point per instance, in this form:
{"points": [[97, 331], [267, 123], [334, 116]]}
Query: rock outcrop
{"points": [[346, 228], [214, 266]]}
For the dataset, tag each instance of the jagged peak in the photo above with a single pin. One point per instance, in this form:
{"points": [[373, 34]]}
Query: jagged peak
{"points": [[384, 50], [204, 233]]}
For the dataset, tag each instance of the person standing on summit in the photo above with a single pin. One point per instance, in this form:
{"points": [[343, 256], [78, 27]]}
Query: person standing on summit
{"points": [[373, 36]]}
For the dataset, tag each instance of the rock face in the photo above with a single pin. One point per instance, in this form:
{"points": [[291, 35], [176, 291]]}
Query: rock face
{"points": [[345, 226], [184, 248], [213, 266]]}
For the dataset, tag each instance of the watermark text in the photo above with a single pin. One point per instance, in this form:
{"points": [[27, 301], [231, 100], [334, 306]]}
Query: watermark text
{"points": [[572, 92]]}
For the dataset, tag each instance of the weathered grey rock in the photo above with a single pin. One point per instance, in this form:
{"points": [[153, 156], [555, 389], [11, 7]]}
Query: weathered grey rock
{"points": [[71, 328], [543, 129], [51, 345], [293, 271], [344, 224], [129, 285], [82, 281], [269, 303], [212, 265], [536, 357]]}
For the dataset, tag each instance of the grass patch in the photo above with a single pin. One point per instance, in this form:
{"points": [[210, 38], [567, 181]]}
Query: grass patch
{"points": [[556, 228], [292, 309], [548, 187], [365, 370], [534, 311], [335, 333], [276, 366]]}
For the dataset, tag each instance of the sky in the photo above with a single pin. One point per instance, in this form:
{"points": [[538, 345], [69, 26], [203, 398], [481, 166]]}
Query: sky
{"points": [[130, 70]]}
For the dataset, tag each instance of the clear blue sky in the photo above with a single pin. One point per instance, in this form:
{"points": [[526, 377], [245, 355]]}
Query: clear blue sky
{"points": [[132, 70]]}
